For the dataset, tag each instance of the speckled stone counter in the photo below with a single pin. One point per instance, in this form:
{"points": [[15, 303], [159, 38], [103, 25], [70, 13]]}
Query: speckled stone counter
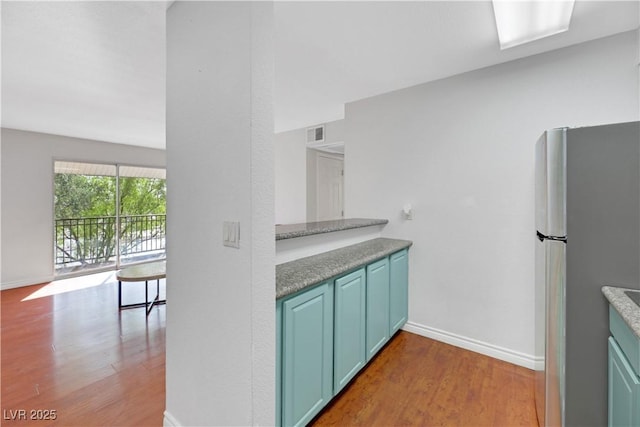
{"points": [[628, 309], [296, 275], [290, 231]]}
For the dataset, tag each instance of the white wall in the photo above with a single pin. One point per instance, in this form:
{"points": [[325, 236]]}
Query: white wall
{"points": [[295, 174], [220, 335], [1, 286], [312, 186], [313, 204], [333, 132], [461, 151], [27, 195], [291, 177]]}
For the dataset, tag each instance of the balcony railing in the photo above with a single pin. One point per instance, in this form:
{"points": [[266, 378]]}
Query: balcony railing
{"points": [[84, 241]]}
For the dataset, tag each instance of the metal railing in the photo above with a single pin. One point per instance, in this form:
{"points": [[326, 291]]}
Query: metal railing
{"points": [[83, 241]]}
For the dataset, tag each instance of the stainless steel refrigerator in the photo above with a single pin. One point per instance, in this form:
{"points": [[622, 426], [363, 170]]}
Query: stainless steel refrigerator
{"points": [[587, 236]]}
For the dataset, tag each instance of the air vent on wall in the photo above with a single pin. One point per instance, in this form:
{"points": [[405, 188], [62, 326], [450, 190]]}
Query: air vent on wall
{"points": [[315, 134]]}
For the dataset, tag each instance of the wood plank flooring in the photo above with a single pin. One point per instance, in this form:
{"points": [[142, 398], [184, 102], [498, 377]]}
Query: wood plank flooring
{"points": [[416, 381], [74, 353]]}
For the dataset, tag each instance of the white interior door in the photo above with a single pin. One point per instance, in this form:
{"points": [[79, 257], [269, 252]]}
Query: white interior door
{"points": [[330, 187]]}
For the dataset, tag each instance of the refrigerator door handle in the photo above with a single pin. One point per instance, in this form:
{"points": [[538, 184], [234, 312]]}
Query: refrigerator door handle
{"points": [[542, 237]]}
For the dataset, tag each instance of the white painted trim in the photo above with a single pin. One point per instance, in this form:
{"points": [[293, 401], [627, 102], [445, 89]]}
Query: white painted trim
{"points": [[169, 420], [26, 282], [505, 354]]}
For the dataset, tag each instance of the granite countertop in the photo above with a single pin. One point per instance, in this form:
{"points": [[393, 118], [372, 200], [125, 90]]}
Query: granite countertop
{"points": [[290, 231], [296, 275], [628, 309]]}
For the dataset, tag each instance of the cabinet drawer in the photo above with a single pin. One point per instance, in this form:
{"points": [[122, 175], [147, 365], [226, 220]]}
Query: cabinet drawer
{"points": [[628, 341]]}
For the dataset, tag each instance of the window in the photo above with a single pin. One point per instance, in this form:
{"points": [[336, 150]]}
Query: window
{"points": [[107, 215]]}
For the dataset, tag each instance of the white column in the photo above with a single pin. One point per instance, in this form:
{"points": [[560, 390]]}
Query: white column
{"points": [[220, 300]]}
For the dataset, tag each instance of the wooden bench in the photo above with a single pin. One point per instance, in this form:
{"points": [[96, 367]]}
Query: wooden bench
{"points": [[138, 273]]}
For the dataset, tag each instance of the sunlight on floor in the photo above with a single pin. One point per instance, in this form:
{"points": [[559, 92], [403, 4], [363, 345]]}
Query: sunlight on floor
{"points": [[73, 284]]}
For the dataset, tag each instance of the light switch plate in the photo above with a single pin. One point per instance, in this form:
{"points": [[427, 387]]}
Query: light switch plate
{"points": [[231, 234]]}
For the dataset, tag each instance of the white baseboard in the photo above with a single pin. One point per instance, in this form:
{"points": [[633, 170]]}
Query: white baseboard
{"points": [[169, 420], [511, 356], [22, 283]]}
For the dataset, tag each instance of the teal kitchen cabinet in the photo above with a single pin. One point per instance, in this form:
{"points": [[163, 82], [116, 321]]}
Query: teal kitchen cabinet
{"points": [[398, 290], [624, 368], [326, 333], [624, 389], [377, 330], [349, 327], [278, 362], [307, 354]]}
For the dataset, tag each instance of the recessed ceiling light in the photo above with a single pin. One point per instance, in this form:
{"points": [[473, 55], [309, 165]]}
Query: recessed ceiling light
{"points": [[521, 22]]}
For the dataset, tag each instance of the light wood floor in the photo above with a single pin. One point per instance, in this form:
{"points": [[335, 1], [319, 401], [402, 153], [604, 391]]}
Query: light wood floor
{"points": [[76, 354], [418, 381]]}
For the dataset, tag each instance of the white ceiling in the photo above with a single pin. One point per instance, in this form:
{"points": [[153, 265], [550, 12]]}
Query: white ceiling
{"points": [[96, 69], [86, 69]]}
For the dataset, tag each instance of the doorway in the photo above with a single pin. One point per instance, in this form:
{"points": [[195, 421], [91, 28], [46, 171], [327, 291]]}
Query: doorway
{"points": [[329, 187]]}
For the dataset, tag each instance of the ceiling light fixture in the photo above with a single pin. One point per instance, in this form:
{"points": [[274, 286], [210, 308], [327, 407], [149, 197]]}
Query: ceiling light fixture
{"points": [[521, 22]]}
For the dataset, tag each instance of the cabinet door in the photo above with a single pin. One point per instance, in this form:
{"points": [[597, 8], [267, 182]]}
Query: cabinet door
{"points": [[624, 389], [399, 290], [307, 354], [349, 330], [278, 363], [377, 306]]}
